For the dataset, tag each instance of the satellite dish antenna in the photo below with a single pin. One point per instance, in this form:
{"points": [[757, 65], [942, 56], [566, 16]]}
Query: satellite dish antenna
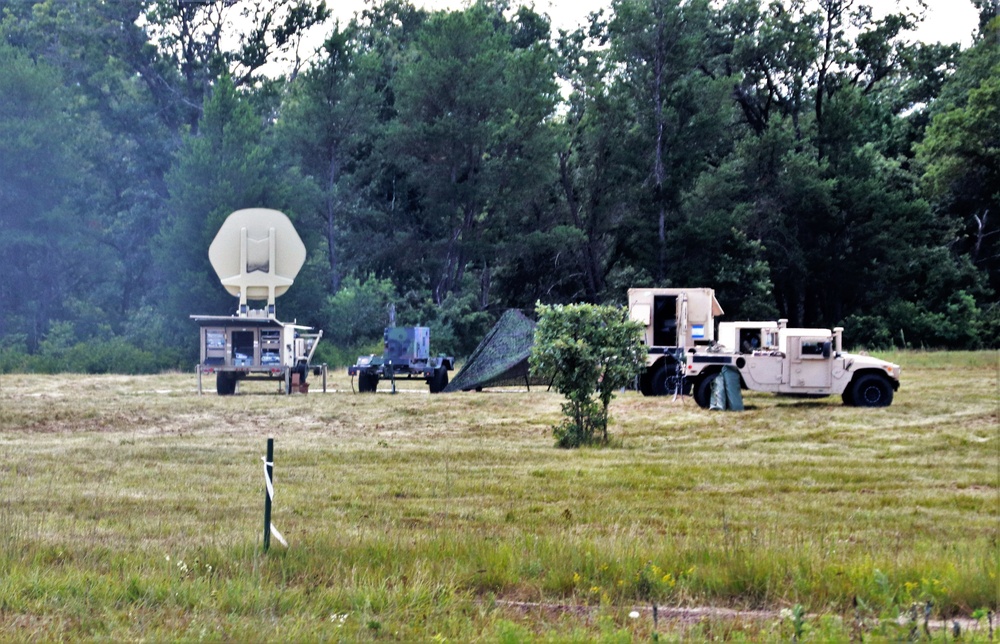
{"points": [[257, 255]]}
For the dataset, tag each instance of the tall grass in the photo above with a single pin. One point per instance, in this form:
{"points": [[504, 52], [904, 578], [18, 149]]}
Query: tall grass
{"points": [[132, 508]]}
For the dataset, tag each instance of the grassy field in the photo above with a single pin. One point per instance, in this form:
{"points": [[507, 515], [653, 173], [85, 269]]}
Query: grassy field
{"points": [[132, 508]]}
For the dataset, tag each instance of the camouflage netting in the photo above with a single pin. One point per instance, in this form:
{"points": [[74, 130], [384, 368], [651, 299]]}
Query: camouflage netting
{"points": [[501, 359]]}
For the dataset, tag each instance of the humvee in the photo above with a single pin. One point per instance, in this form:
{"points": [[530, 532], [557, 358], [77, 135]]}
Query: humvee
{"points": [[805, 362]]}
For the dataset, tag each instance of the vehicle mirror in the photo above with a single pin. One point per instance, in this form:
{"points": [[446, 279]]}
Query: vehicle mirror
{"points": [[827, 349]]}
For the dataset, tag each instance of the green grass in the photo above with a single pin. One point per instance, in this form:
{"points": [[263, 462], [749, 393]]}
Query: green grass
{"points": [[131, 508]]}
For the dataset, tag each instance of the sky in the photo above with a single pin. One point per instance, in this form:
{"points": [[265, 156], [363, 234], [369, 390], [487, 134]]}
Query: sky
{"points": [[947, 21]]}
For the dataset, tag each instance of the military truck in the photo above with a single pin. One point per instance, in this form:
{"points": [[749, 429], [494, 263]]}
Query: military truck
{"points": [[804, 362], [405, 356], [256, 255], [675, 320]]}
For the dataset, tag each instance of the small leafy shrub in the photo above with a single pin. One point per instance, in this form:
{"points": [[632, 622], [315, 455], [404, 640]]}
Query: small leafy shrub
{"points": [[14, 354], [589, 352]]}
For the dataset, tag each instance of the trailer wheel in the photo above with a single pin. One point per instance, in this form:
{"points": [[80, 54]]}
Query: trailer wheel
{"points": [[367, 383], [871, 390], [703, 390], [225, 383], [439, 380]]}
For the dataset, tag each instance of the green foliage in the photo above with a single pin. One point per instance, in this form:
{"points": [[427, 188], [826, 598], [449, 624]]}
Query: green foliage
{"points": [[354, 319], [671, 113], [60, 352], [961, 153], [590, 352], [476, 158], [957, 322], [801, 168], [43, 237], [329, 121], [457, 324], [358, 312], [14, 355]]}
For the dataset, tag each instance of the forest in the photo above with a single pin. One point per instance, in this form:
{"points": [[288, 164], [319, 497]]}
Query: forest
{"points": [[806, 159]]}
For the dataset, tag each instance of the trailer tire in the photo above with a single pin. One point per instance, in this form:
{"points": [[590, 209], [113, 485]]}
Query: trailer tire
{"points": [[367, 383], [225, 383], [871, 390], [703, 390], [439, 380]]}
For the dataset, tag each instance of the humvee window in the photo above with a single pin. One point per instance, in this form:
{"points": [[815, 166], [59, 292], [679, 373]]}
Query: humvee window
{"points": [[813, 348]]}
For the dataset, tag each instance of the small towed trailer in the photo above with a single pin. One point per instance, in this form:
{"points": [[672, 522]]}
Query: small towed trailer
{"points": [[405, 356]]}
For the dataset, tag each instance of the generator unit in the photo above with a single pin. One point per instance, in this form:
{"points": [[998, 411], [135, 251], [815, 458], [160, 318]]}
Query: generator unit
{"points": [[256, 255]]}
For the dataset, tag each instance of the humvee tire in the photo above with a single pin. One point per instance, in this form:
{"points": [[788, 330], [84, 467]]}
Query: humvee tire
{"points": [[665, 380], [871, 390], [645, 380], [848, 396], [703, 390]]}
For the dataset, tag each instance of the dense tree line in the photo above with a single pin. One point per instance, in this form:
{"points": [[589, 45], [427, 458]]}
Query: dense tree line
{"points": [[807, 160]]}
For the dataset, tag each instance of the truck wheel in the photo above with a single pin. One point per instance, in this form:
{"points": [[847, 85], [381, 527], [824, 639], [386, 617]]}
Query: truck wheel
{"points": [[225, 383], [871, 390], [848, 395], [645, 383], [703, 390], [665, 380], [438, 381]]}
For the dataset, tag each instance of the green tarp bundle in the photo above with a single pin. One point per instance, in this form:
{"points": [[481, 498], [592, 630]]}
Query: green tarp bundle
{"points": [[726, 392], [501, 359]]}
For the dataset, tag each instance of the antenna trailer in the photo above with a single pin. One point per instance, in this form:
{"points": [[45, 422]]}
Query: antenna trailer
{"points": [[257, 254]]}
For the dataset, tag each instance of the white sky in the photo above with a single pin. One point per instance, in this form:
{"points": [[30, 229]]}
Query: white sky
{"points": [[947, 21]]}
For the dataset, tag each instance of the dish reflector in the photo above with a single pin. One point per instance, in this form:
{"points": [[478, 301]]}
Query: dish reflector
{"points": [[257, 254]]}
